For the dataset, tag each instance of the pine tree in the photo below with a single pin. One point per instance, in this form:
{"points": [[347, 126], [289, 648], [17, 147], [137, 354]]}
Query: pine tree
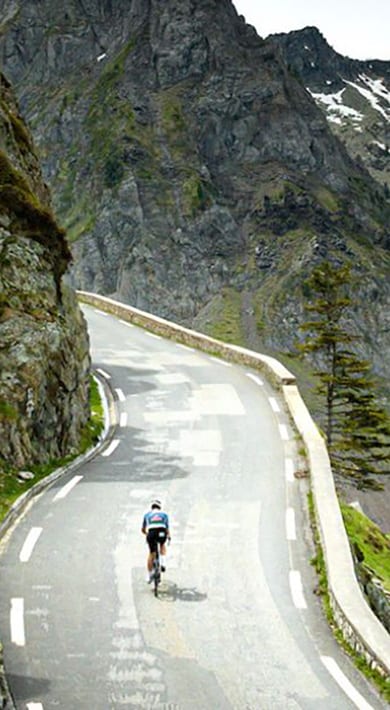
{"points": [[357, 428]]}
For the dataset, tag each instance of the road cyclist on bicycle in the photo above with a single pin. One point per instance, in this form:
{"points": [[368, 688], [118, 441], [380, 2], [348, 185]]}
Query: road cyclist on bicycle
{"points": [[155, 526]]}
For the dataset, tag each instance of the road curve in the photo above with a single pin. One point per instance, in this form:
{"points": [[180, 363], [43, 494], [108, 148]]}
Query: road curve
{"points": [[237, 624]]}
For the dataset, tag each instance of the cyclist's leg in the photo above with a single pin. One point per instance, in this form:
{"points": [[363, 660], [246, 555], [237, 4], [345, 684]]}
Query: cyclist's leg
{"points": [[152, 542], [163, 553]]}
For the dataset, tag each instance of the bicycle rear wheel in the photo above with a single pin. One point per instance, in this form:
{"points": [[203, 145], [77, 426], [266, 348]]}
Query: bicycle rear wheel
{"points": [[157, 572]]}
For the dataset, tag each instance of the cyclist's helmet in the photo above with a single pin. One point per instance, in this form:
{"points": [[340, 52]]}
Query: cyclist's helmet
{"points": [[156, 504]]}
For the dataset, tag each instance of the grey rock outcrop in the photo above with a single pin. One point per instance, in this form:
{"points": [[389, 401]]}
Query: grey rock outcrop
{"points": [[196, 176], [44, 348]]}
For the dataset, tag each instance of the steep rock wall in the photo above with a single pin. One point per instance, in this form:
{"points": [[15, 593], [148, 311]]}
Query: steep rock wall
{"points": [[44, 348]]}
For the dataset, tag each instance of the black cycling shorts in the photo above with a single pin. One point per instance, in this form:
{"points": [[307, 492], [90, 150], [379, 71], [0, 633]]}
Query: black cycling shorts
{"points": [[155, 536]]}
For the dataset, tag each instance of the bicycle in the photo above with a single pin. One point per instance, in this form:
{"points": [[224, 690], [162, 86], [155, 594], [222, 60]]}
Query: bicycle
{"points": [[157, 568]]}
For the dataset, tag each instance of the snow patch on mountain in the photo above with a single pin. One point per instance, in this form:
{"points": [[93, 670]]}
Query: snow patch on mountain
{"points": [[372, 90], [336, 109]]}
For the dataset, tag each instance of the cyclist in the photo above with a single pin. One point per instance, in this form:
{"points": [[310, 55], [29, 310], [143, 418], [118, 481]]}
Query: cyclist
{"points": [[155, 526]]}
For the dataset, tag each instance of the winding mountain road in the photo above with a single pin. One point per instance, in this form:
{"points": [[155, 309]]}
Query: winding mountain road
{"points": [[237, 624]]}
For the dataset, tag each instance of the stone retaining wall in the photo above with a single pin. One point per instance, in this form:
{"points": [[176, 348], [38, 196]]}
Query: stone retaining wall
{"points": [[358, 623]]}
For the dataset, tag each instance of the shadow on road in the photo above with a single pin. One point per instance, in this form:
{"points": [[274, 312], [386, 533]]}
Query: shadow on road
{"points": [[171, 592], [27, 688]]}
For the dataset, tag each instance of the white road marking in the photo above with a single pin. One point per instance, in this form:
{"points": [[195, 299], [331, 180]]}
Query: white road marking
{"points": [[221, 362], [289, 470], [152, 335], [283, 432], [186, 347], [17, 621], [331, 665], [255, 379], [67, 488], [123, 419], [297, 589], [120, 394], [291, 532], [110, 450], [125, 322], [274, 404], [101, 313], [103, 373], [34, 706], [29, 544]]}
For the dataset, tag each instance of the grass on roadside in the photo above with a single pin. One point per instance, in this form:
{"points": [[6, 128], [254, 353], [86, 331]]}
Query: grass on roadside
{"points": [[318, 563], [371, 541], [11, 487]]}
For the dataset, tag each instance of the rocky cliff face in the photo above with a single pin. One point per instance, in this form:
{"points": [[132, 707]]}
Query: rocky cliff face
{"points": [[44, 360], [196, 176], [353, 94]]}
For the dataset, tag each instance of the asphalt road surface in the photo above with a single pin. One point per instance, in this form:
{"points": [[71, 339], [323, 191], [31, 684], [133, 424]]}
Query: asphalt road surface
{"points": [[238, 624]]}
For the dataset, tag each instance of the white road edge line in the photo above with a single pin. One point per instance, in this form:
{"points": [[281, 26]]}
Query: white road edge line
{"points": [[274, 404], [120, 394], [346, 685], [111, 448], [67, 488], [220, 362], [17, 621], [29, 543], [103, 373], [125, 322], [291, 532], [153, 335], [255, 379], [186, 347], [34, 706], [283, 432], [123, 419], [289, 470], [101, 313], [297, 589]]}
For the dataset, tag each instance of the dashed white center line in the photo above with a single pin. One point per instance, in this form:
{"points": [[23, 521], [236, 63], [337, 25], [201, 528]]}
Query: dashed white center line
{"points": [[297, 589], [274, 404], [67, 488], [120, 394], [283, 432], [291, 532], [289, 470], [17, 621], [331, 665], [123, 419], [255, 379], [103, 373], [111, 448], [29, 544]]}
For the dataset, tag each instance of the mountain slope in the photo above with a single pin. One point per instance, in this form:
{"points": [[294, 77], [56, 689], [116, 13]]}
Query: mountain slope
{"points": [[44, 361], [195, 174], [354, 94]]}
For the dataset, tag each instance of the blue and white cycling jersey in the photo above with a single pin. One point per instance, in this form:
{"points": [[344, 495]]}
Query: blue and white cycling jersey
{"points": [[155, 519]]}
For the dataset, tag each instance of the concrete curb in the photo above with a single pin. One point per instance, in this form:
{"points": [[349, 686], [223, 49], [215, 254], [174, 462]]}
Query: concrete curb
{"points": [[359, 625], [6, 700]]}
